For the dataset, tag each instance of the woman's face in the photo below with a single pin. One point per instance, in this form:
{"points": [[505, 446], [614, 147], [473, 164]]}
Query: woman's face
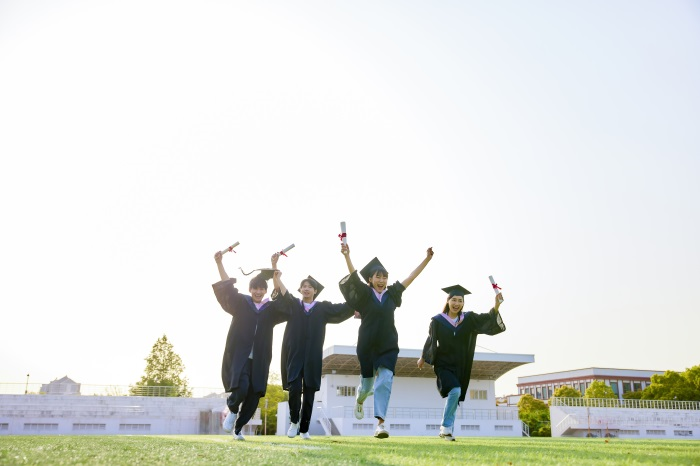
{"points": [[378, 281], [456, 303]]}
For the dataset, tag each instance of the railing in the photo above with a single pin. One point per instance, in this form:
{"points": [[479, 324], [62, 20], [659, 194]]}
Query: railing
{"points": [[526, 429], [632, 404], [104, 390], [325, 422], [503, 414]]}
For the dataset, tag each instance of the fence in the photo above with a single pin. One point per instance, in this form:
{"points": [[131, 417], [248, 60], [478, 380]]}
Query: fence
{"points": [[632, 404], [104, 390]]}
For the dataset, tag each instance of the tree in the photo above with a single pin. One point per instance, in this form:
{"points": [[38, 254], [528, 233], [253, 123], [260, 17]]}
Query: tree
{"points": [[565, 392], [274, 395], [598, 389], [535, 414], [671, 385], [164, 369]]}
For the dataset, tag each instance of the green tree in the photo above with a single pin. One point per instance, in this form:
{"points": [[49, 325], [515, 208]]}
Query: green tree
{"points": [[274, 394], [633, 395], [671, 385], [565, 392], [598, 389], [535, 414], [164, 369]]}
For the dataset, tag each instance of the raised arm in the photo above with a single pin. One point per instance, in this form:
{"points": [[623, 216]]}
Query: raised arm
{"points": [[219, 265], [277, 277], [419, 269], [345, 250]]}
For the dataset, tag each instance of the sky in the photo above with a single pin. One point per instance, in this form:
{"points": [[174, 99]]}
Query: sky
{"points": [[553, 145]]}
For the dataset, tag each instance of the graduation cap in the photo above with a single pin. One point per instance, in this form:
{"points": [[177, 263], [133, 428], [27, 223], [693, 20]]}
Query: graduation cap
{"points": [[456, 290], [265, 274], [371, 268], [314, 284]]}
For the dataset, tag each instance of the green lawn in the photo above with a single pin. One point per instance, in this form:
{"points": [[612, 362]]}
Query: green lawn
{"points": [[219, 449]]}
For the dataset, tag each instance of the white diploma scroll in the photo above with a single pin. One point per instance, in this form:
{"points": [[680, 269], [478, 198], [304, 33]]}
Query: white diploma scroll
{"points": [[343, 234], [495, 287], [230, 248], [283, 251]]}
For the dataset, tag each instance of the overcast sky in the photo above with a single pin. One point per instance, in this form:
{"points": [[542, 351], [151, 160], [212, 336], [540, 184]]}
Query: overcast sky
{"points": [[553, 145]]}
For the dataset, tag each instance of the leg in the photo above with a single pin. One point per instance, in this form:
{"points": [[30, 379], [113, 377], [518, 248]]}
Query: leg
{"points": [[363, 391], [382, 392], [295, 400], [248, 408], [307, 409], [448, 415]]}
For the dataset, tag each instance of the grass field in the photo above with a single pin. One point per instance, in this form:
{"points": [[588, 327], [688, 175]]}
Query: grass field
{"points": [[219, 449]]}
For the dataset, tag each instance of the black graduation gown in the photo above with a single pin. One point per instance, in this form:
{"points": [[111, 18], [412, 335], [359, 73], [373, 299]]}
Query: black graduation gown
{"points": [[450, 349], [377, 339], [302, 345], [250, 329]]}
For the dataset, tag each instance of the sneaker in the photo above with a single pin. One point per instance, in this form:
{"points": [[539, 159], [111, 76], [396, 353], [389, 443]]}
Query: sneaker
{"points": [[381, 431], [446, 433], [305, 436], [229, 421], [293, 430], [238, 436], [359, 410]]}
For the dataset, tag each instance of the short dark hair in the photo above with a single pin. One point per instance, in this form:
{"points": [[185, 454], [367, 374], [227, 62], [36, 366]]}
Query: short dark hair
{"points": [[257, 282]]}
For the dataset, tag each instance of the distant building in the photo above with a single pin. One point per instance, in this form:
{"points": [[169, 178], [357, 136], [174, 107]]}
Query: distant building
{"points": [[620, 380], [62, 386], [416, 406]]}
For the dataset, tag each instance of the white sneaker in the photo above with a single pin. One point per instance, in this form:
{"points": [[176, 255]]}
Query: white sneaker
{"points": [[238, 436], [446, 433], [381, 431], [229, 422], [305, 436], [293, 430], [359, 410]]}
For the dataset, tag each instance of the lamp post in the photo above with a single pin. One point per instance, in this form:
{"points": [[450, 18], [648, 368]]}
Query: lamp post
{"points": [[26, 386], [265, 416]]}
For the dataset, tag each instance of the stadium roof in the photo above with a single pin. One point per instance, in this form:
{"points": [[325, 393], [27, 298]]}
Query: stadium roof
{"points": [[487, 366]]}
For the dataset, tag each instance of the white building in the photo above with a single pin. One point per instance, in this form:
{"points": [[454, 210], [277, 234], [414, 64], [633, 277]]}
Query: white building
{"points": [[62, 386], [658, 419], [621, 381], [415, 407]]}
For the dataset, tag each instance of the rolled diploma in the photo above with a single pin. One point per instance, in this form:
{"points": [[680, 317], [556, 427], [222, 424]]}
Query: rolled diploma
{"points": [[230, 248], [288, 248], [494, 286], [343, 233]]}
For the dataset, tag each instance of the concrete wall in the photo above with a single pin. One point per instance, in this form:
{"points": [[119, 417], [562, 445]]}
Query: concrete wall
{"points": [[133, 415]]}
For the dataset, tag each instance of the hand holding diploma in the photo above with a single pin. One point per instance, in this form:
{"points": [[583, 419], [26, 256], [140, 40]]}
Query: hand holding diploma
{"points": [[497, 290]]}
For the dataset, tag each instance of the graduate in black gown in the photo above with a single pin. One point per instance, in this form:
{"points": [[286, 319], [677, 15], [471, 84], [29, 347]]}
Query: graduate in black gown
{"points": [[248, 353], [377, 339], [449, 348], [302, 350]]}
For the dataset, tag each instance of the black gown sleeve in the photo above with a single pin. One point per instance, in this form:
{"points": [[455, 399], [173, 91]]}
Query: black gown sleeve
{"points": [[489, 323], [228, 296], [428, 351], [337, 313], [396, 291], [354, 291]]}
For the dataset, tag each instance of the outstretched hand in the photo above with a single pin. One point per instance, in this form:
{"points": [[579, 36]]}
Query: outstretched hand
{"points": [[429, 253], [275, 257], [344, 249], [218, 256]]}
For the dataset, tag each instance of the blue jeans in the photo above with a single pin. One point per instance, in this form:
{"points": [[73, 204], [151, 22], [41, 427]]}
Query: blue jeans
{"points": [[380, 386], [451, 402]]}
